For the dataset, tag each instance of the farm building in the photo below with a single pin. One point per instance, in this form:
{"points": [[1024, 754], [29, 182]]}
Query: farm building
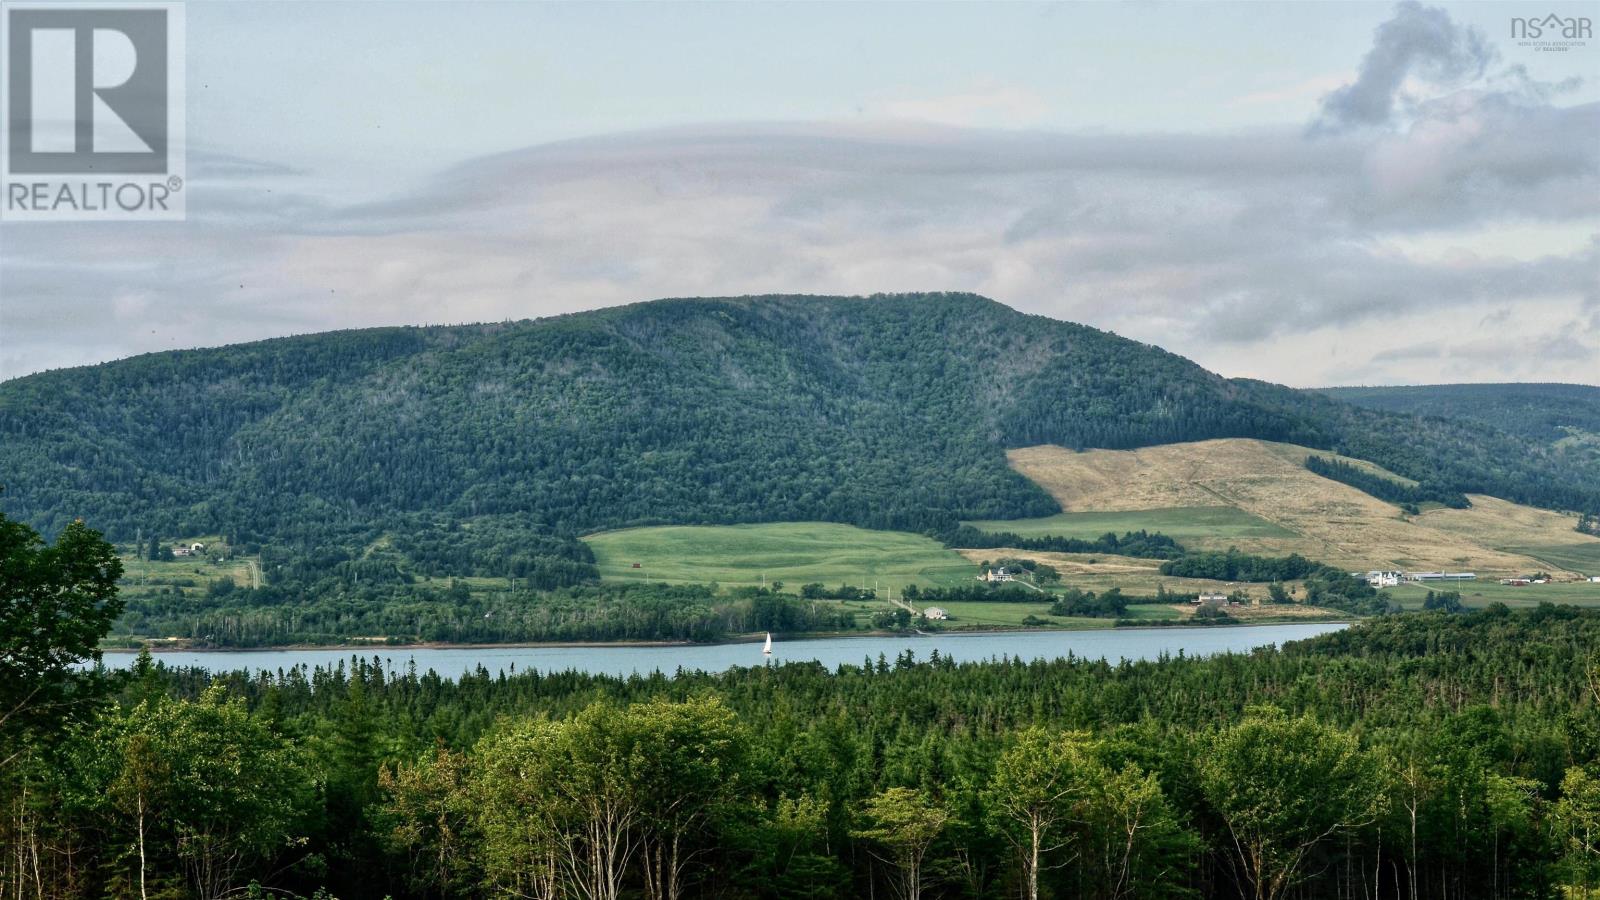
{"points": [[1212, 597], [935, 612], [1000, 573], [1383, 579], [1595, 578], [1441, 576]]}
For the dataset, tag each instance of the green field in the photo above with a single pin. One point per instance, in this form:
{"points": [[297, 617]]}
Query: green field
{"points": [[970, 615], [1583, 558], [1482, 593], [189, 574], [1177, 523], [792, 552]]}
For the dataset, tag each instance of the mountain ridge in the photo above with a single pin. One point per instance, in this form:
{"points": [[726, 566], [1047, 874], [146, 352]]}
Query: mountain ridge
{"points": [[1548, 411], [483, 448]]}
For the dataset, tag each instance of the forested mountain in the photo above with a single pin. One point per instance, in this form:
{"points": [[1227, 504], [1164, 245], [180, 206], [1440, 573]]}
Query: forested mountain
{"points": [[485, 449], [1546, 412]]}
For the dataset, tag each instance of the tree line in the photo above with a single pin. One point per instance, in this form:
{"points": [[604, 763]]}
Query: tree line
{"points": [[1232, 565], [1141, 543], [275, 615], [1386, 489]]}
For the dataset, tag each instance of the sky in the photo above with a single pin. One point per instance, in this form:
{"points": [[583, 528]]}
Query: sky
{"points": [[1308, 193]]}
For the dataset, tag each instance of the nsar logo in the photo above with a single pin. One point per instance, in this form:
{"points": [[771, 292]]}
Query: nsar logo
{"points": [[1552, 32]]}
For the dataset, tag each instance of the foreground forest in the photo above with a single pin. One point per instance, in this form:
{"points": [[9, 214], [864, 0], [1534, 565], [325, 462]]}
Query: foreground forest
{"points": [[1438, 755]]}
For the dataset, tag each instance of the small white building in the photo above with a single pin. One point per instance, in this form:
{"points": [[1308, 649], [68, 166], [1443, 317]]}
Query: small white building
{"points": [[1212, 597], [1000, 573], [1595, 578], [935, 613]]}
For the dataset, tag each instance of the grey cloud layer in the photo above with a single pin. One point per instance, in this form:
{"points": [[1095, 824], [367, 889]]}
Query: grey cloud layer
{"points": [[1276, 254]]}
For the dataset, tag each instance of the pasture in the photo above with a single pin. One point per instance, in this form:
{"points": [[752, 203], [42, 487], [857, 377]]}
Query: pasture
{"points": [[1482, 593], [794, 553], [143, 578]]}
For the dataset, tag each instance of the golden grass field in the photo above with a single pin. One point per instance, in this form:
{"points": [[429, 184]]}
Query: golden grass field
{"points": [[1327, 521]]}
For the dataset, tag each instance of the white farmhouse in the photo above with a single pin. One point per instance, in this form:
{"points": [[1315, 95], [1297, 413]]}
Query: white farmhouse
{"points": [[1383, 579]]}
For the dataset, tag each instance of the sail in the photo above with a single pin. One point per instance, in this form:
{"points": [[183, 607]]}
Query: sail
{"points": [[768, 648]]}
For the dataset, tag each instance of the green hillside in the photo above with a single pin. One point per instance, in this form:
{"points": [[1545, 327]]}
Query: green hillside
{"points": [[353, 460], [1544, 412]]}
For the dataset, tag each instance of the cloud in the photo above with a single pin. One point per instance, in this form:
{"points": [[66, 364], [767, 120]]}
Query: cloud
{"points": [[1418, 42], [1270, 253]]}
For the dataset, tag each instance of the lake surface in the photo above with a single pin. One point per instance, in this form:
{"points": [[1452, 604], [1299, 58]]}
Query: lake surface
{"points": [[1111, 644]]}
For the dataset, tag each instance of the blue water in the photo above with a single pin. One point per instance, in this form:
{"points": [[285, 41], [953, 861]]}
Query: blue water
{"points": [[1111, 644]]}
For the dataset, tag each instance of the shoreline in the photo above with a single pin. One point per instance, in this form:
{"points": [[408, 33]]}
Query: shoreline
{"points": [[754, 638]]}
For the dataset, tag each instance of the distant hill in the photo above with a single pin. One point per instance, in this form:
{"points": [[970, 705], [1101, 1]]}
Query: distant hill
{"points": [[489, 448], [1544, 412]]}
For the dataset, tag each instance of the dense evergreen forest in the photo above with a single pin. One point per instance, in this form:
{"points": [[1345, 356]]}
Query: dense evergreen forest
{"points": [[1424, 755], [355, 458], [1410, 496], [278, 616], [1544, 412]]}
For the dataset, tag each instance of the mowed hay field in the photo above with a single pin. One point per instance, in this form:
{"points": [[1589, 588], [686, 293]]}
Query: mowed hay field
{"points": [[1316, 517], [792, 552]]}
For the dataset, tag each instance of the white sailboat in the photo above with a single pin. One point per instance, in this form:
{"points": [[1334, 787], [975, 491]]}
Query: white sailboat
{"points": [[767, 649]]}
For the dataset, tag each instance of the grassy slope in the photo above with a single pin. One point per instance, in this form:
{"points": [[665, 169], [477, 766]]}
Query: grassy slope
{"points": [[142, 577], [792, 552], [1319, 518], [796, 553]]}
